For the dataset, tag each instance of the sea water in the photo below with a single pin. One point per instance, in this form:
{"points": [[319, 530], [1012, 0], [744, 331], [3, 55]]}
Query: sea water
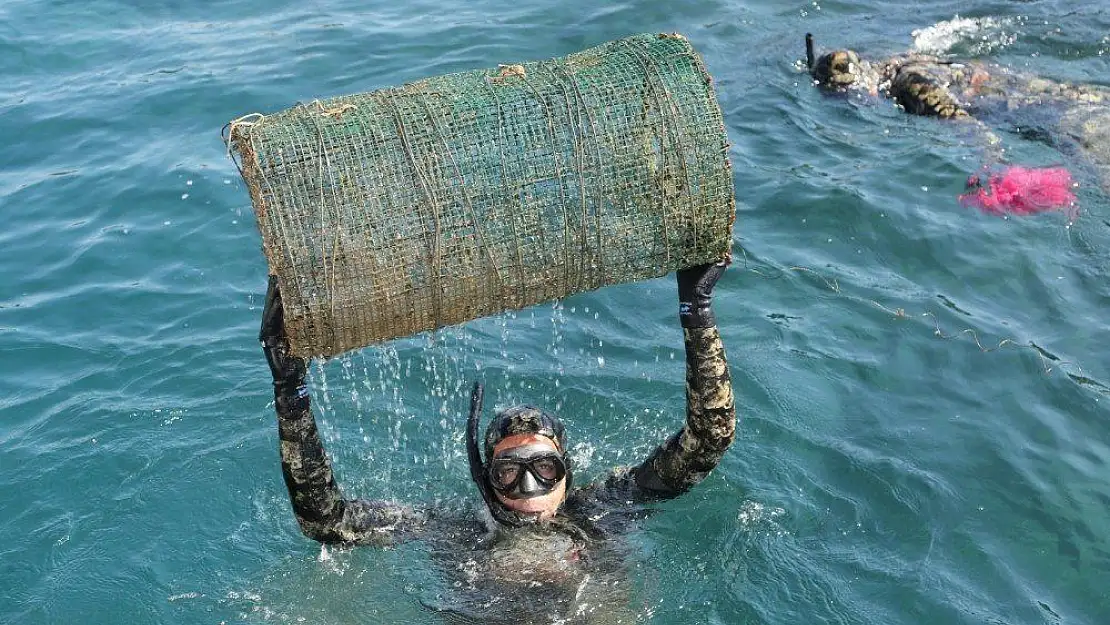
{"points": [[923, 389]]}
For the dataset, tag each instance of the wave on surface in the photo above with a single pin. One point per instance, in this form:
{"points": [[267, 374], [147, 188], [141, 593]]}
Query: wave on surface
{"points": [[979, 35]]}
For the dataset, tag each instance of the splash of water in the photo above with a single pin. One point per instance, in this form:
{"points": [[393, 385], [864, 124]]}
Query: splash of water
{"points": [[982, 35]]}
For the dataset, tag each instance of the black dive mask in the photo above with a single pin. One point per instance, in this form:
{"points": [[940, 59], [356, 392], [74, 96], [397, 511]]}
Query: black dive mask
{"points": [[526, 471]]}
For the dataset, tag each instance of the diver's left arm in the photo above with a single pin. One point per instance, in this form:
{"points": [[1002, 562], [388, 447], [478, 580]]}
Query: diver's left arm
{"points": [[692, 452]]}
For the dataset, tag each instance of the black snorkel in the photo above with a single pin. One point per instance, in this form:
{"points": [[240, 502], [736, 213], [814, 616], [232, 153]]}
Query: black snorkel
{"points": [[478, 468], [811, 56]]}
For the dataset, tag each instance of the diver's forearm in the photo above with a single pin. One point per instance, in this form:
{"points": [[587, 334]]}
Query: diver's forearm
{"points": [[318, 504], [710, 407], [317, 501], [691, 453]]}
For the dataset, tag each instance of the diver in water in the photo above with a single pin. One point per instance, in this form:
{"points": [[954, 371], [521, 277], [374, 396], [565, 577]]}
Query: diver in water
{"points": [[922, 84], [521, 466], [1073, 117]]}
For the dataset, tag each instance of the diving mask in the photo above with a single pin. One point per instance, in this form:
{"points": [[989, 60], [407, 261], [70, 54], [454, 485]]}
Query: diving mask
{"points": [[526, 471]]}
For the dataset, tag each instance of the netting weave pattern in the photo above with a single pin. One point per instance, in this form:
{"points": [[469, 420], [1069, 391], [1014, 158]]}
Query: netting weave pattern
{"points": [[407, 209]]}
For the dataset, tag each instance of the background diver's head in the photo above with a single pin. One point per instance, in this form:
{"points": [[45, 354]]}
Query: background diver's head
{"points": [[838, 69], [526, 462]]}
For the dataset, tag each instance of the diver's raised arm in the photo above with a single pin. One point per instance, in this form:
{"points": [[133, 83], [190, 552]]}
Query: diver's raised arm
{"points": [[692, 452], [318, 504]]}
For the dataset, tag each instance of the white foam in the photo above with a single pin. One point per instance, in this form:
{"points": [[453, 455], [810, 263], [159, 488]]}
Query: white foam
{"points": [[983, 34]]}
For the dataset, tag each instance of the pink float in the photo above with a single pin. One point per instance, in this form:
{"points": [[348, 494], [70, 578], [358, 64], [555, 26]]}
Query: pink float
{"points": [[1018, 190]]}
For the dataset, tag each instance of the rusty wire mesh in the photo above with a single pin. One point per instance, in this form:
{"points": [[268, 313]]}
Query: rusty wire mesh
{"points": [[407, 209]]}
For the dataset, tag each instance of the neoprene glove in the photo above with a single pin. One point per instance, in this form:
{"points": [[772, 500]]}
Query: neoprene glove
{"points": [[695, 294], [289, 371]]}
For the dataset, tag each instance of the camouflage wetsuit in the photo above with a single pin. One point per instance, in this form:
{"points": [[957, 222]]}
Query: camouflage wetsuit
{"points": [[1067, 115], [564, 566]]}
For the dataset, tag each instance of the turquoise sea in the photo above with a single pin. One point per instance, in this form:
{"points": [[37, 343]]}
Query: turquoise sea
{"points": [[925, 389]]}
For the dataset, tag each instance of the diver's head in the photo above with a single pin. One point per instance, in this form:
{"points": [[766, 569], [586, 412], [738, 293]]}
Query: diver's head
{"points": [[838, 69], [525, 475], [526, 463]]}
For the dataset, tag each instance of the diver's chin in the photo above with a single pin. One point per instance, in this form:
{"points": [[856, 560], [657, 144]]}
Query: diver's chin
{"points": [[843, 83], [539, 510], [531, 509], [834, 86], [533, 518]]}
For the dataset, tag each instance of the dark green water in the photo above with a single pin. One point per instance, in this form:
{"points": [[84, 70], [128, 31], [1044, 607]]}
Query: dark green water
{"points": [[891, 468]]}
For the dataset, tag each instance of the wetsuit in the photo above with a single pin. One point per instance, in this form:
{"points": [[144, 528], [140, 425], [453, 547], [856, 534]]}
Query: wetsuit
{"points": [[560, 569]]}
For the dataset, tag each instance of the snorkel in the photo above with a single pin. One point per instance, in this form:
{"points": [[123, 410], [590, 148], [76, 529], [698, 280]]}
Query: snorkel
{"points": [[478, 468], [811, 58]]}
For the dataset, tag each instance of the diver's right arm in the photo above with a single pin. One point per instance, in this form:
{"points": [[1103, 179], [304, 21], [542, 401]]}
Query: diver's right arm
{"points": [[322, 512], [691, 453]]}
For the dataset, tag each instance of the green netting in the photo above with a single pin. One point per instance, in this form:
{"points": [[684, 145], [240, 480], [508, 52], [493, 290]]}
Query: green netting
{"points": [[389, 213]]}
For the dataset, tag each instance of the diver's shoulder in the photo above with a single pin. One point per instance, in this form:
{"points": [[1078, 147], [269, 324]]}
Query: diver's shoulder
{"points": [[615, 486]]}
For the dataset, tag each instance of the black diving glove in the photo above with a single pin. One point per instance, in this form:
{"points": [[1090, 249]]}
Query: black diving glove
{"points": [[695, 294], [289, 371]]}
